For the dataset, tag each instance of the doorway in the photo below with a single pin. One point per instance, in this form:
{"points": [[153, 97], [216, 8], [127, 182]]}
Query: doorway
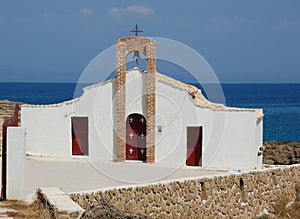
{"points": [[136, 137], [80, 135], [194, 146]]}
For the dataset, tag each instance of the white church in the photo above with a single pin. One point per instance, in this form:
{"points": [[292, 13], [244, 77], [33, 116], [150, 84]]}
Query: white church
{"points": [[145, 116]]}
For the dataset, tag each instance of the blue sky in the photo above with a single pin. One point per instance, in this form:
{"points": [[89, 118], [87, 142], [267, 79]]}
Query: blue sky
{"points": [[243, 41]]}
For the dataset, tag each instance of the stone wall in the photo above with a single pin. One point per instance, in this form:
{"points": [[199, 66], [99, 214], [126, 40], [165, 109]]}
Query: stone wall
{"points": [[232, 195], [57, 204]]}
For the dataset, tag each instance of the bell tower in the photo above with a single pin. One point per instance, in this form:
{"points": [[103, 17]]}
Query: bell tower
{"points": [[124, 46]]}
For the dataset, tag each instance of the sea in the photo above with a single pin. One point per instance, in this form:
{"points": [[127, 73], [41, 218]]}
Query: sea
{"points": [[280, 102]]}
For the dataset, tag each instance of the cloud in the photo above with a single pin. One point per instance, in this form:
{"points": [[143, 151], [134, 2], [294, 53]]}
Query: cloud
{"points": [[86, 11], [133, 9], [287, 25], [226, 22]]}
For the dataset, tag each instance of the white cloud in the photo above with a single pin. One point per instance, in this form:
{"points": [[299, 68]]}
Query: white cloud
{"points": [[288, 25], [133, 9], [86, 11]]}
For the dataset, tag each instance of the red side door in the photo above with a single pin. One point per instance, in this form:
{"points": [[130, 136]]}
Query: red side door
{"points": [[194, 146], [80, 136]]}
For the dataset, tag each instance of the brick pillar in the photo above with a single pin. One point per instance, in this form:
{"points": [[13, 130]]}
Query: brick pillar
{"points": [[125, 46], [120, 101], [150, 102]]}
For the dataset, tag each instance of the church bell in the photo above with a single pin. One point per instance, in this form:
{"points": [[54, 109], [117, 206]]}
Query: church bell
{"points": [[136, 56]]}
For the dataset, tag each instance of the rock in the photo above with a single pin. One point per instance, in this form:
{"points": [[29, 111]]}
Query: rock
{"points": [[281, 153]]}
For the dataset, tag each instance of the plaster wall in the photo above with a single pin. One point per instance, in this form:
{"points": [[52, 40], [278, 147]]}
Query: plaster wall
{"points": [[48, 130], [230, 138], [15, 163], [135, 93], [98, 104], [48, 127]]}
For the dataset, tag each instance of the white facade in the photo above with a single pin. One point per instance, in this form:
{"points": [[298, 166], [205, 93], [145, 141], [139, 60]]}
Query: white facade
{"points": [[16, 163], [231, 136]]}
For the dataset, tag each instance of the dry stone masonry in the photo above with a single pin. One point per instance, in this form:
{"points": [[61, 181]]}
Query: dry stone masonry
{"points": [[233, 195]]}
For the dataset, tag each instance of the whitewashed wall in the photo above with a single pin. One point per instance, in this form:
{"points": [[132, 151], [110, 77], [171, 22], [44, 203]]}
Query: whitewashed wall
{"points": [[48, 130], [230, 138], [259, 138], [96, 103], [135, 91], [48, 127], [16, 163]]}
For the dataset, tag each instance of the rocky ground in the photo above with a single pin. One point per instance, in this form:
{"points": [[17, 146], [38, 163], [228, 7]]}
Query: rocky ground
{"points": [[281, 153]]}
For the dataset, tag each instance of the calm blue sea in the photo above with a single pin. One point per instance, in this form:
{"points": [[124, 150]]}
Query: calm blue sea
{"points": [[280, 102]]}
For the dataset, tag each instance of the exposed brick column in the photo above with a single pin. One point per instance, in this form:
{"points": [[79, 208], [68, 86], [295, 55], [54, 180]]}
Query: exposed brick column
{"points": [[125, 46], [150, 102], [120, 100]]}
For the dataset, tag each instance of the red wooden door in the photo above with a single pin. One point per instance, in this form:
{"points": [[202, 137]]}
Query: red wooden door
{"points": [[80, 136], [136, 137], [194, 146]]}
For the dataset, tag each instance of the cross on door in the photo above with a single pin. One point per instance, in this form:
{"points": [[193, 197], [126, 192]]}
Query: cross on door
{"points": [[131, 135], [130, 150], [142, 135]]}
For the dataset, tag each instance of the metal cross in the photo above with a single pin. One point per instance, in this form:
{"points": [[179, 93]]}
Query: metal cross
{"points": [[142, 120], [142, 135], [131, 119], [136, 30], [142, 151]]}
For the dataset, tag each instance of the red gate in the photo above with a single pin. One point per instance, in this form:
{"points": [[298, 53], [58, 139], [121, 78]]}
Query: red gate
{"points": [[136, 137], [8, 121]]}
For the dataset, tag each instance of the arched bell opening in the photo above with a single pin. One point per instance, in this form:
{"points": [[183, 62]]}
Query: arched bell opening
{"points": [[136, 59], [136, 137]]}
